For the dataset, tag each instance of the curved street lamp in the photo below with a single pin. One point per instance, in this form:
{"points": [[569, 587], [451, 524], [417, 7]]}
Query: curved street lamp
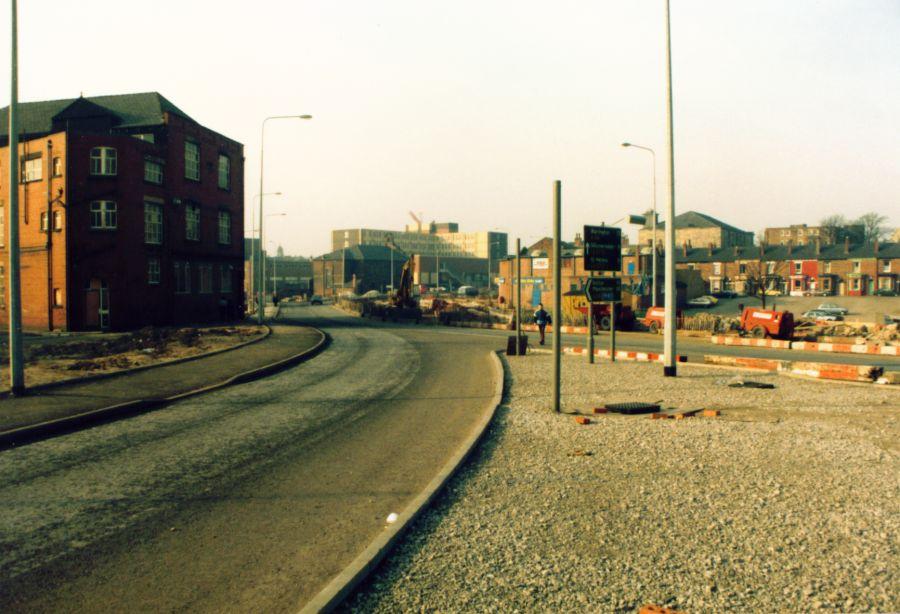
{"points": [[653, 183]]}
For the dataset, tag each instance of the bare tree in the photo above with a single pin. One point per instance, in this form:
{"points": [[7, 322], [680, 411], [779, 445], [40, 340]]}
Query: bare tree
{"points": [[763, 275], [833, 222], [875, 224]]}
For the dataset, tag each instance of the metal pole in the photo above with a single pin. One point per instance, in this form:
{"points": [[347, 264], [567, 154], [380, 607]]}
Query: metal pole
{"points": [[343, 267], [252, 251], [518, 295], [557, 294], [612, 331], [671, 297], [261, 289], [653, 154], [16, 366], [275, 275], [392, 270], [590, 332]]}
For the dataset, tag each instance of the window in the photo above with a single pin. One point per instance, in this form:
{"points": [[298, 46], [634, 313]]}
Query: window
{"points": [[854, 283], [45, 221], [104, 215], [57, 297], [857, 266], [770, 268], [798, 268], [742, 268], [192, 160], [205, 278], [32, 169], [717, 268], [103, 161], [192, 222], [57, 167], [153, 271], [224, 227], [224, 172], [57, 221], [182, 278], [153, 172], [885, 266], [828, 266], [152, 223], [225, 272], [148, 137], [2, 225]]}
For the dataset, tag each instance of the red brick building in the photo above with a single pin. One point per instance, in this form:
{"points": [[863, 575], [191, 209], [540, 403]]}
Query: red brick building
{"points": [[130, 214]]}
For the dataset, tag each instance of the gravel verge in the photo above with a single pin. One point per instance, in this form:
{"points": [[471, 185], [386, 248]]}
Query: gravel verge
{"points": [[789, 501]]}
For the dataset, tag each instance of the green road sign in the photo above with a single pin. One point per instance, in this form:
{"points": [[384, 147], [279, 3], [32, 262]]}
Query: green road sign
{"points": [[602, 248], [603, 289]]}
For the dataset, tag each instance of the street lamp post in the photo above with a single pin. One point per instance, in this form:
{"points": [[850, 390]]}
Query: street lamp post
{"points": [[263, 263], [262, 192], [16, 361], [671, 297], [653, 183], [253, 236]]}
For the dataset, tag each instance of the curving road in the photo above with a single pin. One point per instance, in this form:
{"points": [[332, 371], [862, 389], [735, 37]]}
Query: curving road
{"points": [[246, 499]]}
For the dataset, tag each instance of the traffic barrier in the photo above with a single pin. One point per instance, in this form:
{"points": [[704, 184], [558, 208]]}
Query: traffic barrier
{"points": [[657, 609], [822, 370], [573, 330], [766, 364], [711, 413], [623, 354], [582, 420], [847, 348], [779, 344]]}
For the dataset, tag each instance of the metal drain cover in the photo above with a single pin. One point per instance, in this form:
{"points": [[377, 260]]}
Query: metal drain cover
{"points": [[634, 407]]}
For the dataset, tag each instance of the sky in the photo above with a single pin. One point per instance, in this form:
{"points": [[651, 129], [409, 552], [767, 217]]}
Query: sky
{"points": [[467, 111]]}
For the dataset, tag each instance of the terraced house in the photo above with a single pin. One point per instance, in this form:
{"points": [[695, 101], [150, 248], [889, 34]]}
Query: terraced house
{"points": [[130, 213]]}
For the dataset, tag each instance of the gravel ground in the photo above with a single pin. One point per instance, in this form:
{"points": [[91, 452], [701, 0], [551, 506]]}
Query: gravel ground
{"points": [[789, 501]]}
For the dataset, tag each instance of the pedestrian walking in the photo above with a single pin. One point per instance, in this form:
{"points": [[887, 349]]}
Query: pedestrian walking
{"points": [[542, 319]]}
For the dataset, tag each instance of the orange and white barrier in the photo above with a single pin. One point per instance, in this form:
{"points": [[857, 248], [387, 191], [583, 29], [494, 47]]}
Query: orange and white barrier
{"points": [[751, 342], [623, 354], [808, 346]]}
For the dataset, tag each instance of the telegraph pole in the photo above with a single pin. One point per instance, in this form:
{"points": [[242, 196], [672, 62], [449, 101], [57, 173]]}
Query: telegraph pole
{"points": [[518, 297], [16, 366], [671, 292], [557, 294]]}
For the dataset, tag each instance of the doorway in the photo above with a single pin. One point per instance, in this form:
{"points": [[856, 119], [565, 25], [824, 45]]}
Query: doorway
{"points": [[96, 305]]}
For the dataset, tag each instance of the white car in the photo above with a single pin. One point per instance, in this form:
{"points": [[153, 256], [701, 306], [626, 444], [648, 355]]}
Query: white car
{"points": [[833, 308], [702, 301], [818, 314]]}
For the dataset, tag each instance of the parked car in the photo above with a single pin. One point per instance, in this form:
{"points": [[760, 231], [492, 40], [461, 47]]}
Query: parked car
{"points": [[885, 292], [818, 314], [372, 294], [702, 301], [725, 294], [833, 308], [315, 300]]}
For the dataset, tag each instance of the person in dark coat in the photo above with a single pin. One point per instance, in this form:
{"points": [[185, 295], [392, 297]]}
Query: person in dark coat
{"points": [[542, 319]]}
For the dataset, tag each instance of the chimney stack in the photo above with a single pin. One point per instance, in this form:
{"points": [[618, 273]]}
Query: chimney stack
{"points": [[790, 248], [846, 245], [684, 248], [818, 246], [709, 247], [736, 251]]}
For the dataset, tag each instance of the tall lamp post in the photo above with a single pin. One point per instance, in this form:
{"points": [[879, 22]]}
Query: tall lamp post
{"points": [[653, 184], [262, 192], [253, 236], [16, 364], [263, 263], [671, 297]]}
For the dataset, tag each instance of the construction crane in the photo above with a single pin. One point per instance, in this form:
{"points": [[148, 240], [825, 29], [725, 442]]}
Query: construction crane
{"points": [[418, 220]]}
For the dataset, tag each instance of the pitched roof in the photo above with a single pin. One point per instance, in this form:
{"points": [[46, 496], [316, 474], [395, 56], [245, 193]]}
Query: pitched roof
{"points": [[780, 252], [365, 252], [695, 219], [128, 110]]}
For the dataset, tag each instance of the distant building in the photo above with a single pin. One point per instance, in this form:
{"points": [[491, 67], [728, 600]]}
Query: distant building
{"points": [[697, 230], [801, 234], [441, 240], [130, 214]]}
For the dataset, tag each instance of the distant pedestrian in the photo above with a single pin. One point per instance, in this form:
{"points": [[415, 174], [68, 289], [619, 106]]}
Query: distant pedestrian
{"points": [[542, 319]]}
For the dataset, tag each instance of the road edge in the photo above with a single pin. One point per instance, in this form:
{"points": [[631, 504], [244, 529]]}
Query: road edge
{"points": [[349, 578], [52, 428], [101, 376]]}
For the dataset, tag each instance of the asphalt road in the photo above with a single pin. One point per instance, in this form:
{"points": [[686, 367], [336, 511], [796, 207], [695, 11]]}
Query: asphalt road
{"points": [[246, 499]]}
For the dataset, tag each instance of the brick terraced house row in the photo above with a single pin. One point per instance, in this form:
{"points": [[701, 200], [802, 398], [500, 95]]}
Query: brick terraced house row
{"points": [[130, 214]]}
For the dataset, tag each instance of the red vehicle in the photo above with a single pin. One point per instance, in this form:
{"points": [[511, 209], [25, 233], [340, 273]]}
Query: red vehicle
{"points": [[767, 323], [655, 318], [624, 316]]}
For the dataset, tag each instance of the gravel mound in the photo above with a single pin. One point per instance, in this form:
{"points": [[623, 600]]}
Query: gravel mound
{"points": [[788, 501]]}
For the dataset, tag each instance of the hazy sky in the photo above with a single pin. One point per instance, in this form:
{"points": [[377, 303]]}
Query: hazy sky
{"points": [[468, 110]]}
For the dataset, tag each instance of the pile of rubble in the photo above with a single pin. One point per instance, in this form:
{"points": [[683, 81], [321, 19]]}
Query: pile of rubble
{"points": [[711, 322]]}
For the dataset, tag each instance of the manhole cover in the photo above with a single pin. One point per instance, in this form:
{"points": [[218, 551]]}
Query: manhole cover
{"points": [[634, 407]]}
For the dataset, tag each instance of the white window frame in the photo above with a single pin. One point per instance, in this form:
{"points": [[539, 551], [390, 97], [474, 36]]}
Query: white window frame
{"points": [[205, 282], [717, 268], [828, 266], [224, 172], [224, 227], [182, 277], [32, 169], [45, 221], [2, 225], [885, 266], [153, 223], [153, 172], [153, 271], [57, 221], [192, 222], [104, 162], [857, 267], [56, 167], [798, 268], [191, 160], [108, 213]]}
